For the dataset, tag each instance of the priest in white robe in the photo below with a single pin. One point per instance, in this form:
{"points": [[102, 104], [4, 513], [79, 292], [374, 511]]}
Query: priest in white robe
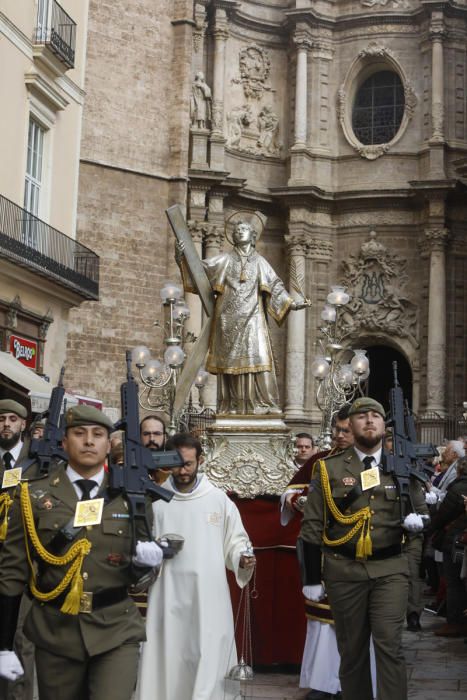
{"points": [[190, 631]]}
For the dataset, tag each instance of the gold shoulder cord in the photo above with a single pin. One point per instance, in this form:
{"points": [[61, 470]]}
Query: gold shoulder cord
{"points": [[360, 520], [74, 556], [6, 502]]}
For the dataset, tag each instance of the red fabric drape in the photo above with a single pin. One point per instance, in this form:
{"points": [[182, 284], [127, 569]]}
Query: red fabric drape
{"points": [[277, 614]]}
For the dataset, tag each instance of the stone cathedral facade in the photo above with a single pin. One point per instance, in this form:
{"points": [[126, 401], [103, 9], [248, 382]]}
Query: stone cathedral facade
{"points": [[343, 121]]}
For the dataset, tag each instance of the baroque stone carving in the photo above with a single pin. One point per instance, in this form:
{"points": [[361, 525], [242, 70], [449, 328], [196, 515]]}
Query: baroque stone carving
{"points": [[436, 238], [375, 49], [238, 119], [255, 67], [402, 4], [217, 114], [268, 125], [373, 151], [255, 135], [367, 56], [376, 279]]}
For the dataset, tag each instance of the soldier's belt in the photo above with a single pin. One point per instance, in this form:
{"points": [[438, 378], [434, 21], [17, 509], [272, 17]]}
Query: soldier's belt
{"points": [[349, 552], [94, 601]]}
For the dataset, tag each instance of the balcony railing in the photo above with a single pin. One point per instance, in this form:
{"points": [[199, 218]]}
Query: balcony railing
{"points": [[30, 242], [56, 29]]}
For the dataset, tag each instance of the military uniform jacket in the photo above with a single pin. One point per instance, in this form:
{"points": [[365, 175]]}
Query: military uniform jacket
{"points": [[107, 566], [22, 456], [344, 471]]}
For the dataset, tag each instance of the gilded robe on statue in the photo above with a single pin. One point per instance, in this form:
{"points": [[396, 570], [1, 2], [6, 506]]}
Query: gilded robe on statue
{"points": [[240, 352]]}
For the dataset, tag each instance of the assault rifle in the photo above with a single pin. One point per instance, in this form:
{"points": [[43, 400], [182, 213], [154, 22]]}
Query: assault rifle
{"points": [[43, 451], [405, 461], [132, 478]]}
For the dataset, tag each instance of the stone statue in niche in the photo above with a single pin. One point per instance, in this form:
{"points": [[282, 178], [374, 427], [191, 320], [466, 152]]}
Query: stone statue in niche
{"points": [[201, 101], [268, 125]]}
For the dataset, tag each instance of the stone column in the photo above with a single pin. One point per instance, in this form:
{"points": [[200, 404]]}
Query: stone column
{"points": [[301, 90], [436, 238], [220, 34], [436, 143], [319, 257], [199, 32], [437, 36], [296, 324]]}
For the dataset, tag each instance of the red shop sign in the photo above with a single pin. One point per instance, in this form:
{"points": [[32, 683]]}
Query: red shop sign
{"points": [[24, 350]]}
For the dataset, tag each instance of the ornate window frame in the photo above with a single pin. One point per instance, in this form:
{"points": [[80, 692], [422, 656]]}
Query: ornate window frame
{"points": [[371, 60]]}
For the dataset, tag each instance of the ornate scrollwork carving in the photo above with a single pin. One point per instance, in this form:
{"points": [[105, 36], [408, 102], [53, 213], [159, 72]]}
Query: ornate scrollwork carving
{"points": [[436, 238], [376, 278], [246, 469], [373, 151], [255, 68], [372, 54], [375, 49], [400, 4]]}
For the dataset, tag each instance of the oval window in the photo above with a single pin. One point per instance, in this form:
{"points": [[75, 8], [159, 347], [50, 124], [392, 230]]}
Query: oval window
{"points": [[378, 108]]}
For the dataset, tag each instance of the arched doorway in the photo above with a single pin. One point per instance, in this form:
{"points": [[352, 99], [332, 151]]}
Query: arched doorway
{"points": [[381, 380]]}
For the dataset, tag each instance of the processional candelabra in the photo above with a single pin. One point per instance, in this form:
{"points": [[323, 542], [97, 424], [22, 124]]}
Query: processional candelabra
{"points": [[339, 381], [159, 378]]}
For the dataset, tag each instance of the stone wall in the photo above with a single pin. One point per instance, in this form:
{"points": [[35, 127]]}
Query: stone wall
{"points": [[133, 165]]}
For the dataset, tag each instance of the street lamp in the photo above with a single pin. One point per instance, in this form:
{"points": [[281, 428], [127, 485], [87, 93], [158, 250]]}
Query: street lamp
{"points": [[338, 381], [159, 378]]}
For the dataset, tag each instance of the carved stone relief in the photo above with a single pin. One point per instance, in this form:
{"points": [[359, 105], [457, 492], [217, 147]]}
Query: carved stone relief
{"points": [[375, 279], [402, 4], [255, 66], [257, 135]]}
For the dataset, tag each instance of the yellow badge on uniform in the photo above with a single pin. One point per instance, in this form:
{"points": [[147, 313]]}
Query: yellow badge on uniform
{"points": [[88, 512], [11, 477], [370, 478]]}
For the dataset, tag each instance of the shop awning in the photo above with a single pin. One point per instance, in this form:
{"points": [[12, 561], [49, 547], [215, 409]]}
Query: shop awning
{"points": [[38, 389], [16, 372]]}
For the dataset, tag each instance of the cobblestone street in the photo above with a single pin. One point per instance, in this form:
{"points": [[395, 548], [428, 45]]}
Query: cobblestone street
{"points": [[437, 669]]}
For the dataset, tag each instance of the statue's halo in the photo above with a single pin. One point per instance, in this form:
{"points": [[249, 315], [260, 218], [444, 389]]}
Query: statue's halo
{"points": [[255, 220]]}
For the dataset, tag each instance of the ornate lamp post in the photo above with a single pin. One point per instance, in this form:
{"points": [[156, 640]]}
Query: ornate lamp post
{"points": [[159, 378], [338, 381]]}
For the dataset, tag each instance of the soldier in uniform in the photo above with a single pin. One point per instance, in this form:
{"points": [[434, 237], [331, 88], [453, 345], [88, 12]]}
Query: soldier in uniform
{"points": [[352, 521], [14, 448], [78, 557]]}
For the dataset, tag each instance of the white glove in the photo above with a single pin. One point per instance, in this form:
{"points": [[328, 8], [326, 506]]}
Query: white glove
{"points": [[431, 498], [413, 523], [148, 554], [314, 593], [10, 667]]}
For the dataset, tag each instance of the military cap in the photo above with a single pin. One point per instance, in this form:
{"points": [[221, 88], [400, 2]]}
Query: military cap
{"points": [[11, 406], [87, 415], [364, 404]]}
